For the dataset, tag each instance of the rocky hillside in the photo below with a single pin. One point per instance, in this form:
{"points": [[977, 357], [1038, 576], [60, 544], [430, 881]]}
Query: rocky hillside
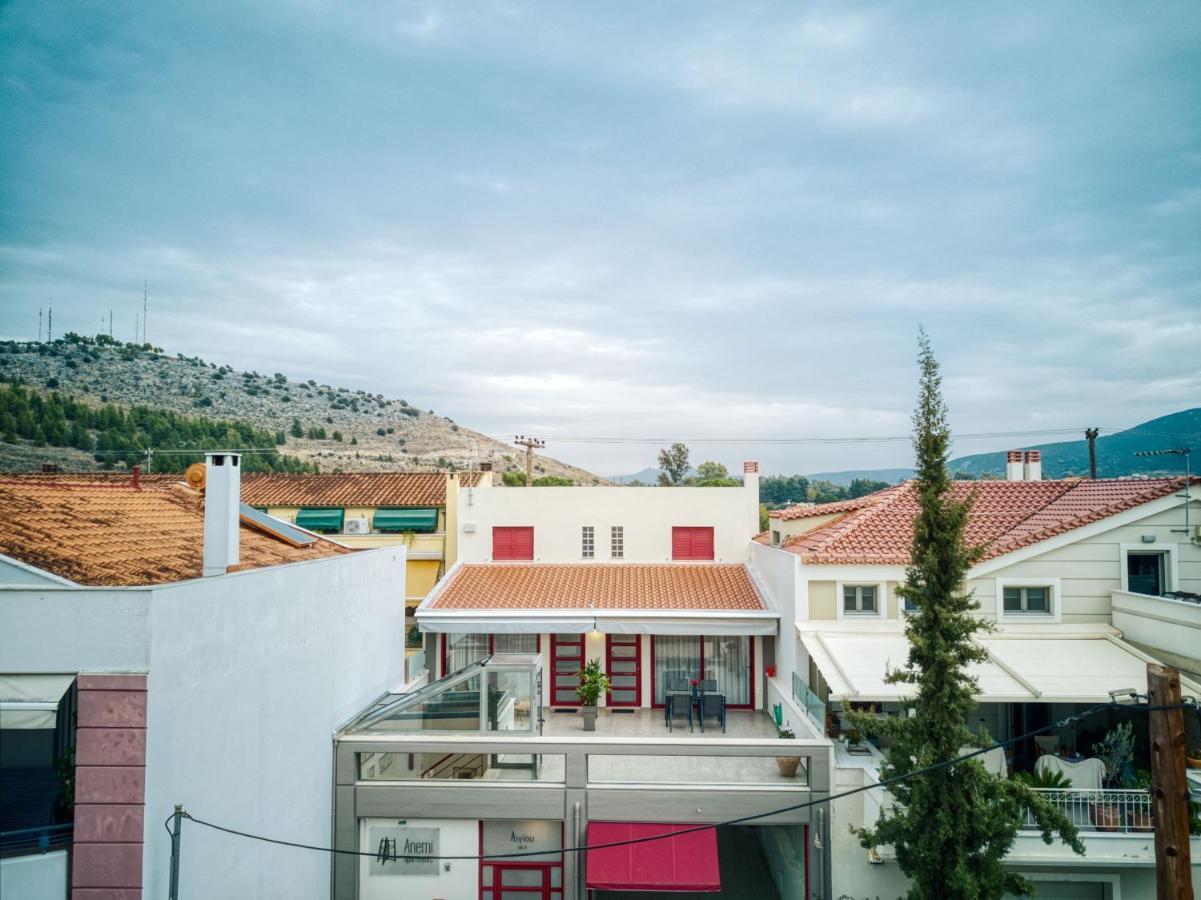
{"points": [[337, 428]]}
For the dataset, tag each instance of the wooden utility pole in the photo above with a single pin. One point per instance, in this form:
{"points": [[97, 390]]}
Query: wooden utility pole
{"points": [[1169, 786], [530, 443], [1090, 435]]}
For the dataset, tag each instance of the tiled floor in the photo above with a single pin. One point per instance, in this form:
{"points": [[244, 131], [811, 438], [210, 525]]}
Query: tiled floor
{"points": [[740, 723]]}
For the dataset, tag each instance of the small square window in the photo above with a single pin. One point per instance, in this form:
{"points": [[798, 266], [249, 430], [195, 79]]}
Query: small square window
{"points": [[1035, 599], [859, 599], [588, 542], [617, 542]]}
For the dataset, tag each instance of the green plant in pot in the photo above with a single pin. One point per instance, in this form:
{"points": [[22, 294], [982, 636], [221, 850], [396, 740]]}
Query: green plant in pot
{"points": [[1115, 750], [787, 765], [593, 683]]}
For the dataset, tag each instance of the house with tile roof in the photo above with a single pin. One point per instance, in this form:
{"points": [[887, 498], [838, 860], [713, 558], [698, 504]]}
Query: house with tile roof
{"points": [[1083, 582], [165, 645]]}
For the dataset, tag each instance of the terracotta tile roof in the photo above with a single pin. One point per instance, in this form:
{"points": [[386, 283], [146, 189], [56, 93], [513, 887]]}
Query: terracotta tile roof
{"points": [[806, 510], [700, 586], [1005, 516], [108, 534], [351, 489]]}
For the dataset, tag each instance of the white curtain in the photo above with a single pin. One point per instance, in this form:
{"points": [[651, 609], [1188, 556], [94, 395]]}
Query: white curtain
{"points": [[728, 662], [464, 649]]}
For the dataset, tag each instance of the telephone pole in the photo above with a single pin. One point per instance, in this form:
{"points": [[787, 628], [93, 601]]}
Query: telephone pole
{"points": [[1169, 786], [145, 307], [39, 324], [530, 444], [50, 324], [1090, 435]]}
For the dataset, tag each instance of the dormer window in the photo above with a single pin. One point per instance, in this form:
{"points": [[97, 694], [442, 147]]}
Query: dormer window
{"points": [[860, 600], [1032, 599]]}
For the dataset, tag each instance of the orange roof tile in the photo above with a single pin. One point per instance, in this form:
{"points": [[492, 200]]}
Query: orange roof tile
{"points": [[351, 489], [1005, 516], [663, 586], [806, 510], [107, 534]]}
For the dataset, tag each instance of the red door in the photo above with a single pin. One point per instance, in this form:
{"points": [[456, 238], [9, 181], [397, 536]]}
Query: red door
{"points": [[517, 881], [567, 658], [512, 542], [623, 663], [691, 542]]}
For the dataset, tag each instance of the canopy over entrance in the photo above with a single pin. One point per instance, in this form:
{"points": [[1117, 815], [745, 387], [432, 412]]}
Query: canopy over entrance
{"points": [[1030, 664], [682, 862], [31, 701]]}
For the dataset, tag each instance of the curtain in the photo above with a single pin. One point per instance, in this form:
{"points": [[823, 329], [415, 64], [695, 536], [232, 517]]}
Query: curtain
{"points": [[728, 662], [676, 656], [514, 643], [464, 649]]}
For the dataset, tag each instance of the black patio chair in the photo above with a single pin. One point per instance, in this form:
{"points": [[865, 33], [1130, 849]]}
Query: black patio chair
{"points": [[677, 700], [713, 704]]}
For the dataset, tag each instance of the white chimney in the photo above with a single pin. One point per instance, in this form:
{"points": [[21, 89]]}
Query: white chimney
{"points": [[750, 484], [1013, 466], [1033, 465], [222, 511]]}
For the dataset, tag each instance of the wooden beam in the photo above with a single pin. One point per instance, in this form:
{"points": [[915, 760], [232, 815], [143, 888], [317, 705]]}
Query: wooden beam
{"points": [[1169, 785]]}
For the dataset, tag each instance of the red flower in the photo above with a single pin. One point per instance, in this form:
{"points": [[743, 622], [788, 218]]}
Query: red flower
{"points": [[771, 671], [694, 682]]}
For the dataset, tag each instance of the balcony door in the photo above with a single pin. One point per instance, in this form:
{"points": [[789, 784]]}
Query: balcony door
{"points": [[623, 663], [727, 659], [567, 659]]}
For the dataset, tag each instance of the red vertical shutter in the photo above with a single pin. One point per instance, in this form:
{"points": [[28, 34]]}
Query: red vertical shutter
{"points": [[513, 542], [691, 542]]}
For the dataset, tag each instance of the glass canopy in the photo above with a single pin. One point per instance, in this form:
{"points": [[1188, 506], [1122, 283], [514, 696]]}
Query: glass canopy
{"points": [[500, 694]]}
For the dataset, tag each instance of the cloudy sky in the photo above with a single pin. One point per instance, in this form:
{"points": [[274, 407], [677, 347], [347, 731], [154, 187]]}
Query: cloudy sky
{"points": [[653, 220]]}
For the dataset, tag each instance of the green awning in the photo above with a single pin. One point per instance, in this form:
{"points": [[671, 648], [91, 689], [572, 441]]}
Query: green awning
{"points": [[320, 519], [409, 519]]}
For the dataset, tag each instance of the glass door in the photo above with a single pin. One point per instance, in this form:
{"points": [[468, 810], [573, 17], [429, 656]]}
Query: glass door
{"points": [[516, 881], [567, 659], [623, 663]]}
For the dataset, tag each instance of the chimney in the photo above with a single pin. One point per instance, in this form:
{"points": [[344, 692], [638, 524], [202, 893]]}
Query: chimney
{"points": [[135, 480], [222, 511], [750, 484], [1013, 466], [1034, 466]]}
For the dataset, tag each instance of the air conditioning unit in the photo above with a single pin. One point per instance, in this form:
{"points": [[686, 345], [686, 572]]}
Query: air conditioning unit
{"points": [[358, 525]]}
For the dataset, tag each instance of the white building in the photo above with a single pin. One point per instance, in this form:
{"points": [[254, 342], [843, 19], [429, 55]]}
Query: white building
{"points": [[1086, 581], [194, 652]]}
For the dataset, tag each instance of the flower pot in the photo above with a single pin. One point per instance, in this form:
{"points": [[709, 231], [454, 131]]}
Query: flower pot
{"points": [[1140, 820], [590, 718], [1106, 817], [787, 765], [1194, 763]]}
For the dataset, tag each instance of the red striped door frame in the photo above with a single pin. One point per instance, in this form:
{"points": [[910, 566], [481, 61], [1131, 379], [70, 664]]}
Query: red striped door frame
{"points": [[554, 656], [637, 667]]}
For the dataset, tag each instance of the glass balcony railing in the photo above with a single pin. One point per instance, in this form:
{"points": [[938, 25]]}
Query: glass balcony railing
{"points": [[809, 702]]}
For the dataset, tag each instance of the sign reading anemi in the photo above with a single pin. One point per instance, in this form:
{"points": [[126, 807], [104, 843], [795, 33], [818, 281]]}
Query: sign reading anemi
{"points": [[403, 851]]}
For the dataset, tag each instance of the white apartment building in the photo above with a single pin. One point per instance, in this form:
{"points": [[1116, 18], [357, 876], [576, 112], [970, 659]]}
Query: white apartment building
{"points": [[1085, 581], [192, 651]]}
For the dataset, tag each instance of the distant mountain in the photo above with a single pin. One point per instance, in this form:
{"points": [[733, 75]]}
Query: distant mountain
{"points": [[1063, 459], [646, 476], [334, 427]]}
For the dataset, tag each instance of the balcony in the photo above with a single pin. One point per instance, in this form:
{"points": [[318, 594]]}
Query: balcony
{"points": [[1112, 811], [1169, 626]]}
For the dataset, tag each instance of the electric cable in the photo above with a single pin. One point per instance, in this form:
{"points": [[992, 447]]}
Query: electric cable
{"points": [[705, 827]]}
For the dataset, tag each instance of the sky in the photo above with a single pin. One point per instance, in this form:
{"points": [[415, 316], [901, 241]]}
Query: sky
{"points": [[672, 220]]}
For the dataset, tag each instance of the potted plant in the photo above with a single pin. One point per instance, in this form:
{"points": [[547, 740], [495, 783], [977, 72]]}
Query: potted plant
{"points": [[787, 765], [770, 671], [1140, 817], [1194, 756], [593, 683], [1047, 780], [1115, 750], [853, 737]]}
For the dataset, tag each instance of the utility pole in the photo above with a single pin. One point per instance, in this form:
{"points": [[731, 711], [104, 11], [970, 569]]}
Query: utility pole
{"points": [[173, 882], [1090, 434], [50, 324], [39, 324], [1169, 786], [145, 307], [110, 323], [530, 443]]}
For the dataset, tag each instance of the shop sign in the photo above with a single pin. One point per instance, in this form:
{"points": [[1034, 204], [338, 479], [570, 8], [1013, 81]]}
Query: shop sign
{"points": [[513, 836], [403, 851]]}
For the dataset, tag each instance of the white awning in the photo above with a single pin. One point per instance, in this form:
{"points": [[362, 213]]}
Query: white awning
{"points": [[1055, 664], [605, 621], [31, 701]]}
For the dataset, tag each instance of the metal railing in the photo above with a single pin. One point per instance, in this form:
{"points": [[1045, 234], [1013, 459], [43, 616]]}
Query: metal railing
{"points": [[1119, 810], [42, 839], [809, 702]]}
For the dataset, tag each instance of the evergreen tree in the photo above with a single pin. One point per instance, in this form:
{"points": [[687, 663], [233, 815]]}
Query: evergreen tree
{"points": [[952, 826], [673, 465]]}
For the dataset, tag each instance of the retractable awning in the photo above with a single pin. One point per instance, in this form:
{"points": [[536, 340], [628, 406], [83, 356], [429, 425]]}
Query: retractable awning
{"points": [[1039, 664], [320, 518], [31, 701], [409, 519], [682, 862]]}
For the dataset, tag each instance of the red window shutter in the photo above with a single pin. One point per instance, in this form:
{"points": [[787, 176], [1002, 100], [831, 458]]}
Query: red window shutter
{"points": [[513, 542], [691, 542]]}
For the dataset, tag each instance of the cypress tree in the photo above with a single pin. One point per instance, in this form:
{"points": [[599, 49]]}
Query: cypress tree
{"points": [[951, 827]]}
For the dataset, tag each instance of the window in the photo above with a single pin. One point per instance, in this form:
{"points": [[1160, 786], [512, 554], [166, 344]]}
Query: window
{"points": [[512, 542], [691, 542], [775, 538], [908, 605], [1027, 599], [859, 599], [588, 541], [727, 660], [617, 542], [1145, 573], [460, 650]]}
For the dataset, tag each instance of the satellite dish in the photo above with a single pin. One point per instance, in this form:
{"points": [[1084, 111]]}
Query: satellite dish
{"points": [[194, 476]]}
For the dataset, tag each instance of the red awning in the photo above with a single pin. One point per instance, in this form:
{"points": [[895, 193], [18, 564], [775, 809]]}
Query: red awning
{"points": [[687, 862]]}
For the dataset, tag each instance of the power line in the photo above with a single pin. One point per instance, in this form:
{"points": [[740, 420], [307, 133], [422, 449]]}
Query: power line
{"points": [[738, 821]]}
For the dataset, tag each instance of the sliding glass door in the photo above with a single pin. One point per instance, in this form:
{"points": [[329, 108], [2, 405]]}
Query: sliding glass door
{"points": [[725, 659]]}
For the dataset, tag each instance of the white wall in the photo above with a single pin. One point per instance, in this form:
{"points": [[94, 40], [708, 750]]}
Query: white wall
{"points": [[776, 571], [40, 876], [64, 629], [14, 573], [647, 515], [250, 675]]}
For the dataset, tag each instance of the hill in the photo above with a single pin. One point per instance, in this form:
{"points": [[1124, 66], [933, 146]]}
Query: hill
{"points": [[333, 428]]}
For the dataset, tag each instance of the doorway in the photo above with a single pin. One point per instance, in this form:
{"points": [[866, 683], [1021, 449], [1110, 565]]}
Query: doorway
{"points": [[623, 663]]}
